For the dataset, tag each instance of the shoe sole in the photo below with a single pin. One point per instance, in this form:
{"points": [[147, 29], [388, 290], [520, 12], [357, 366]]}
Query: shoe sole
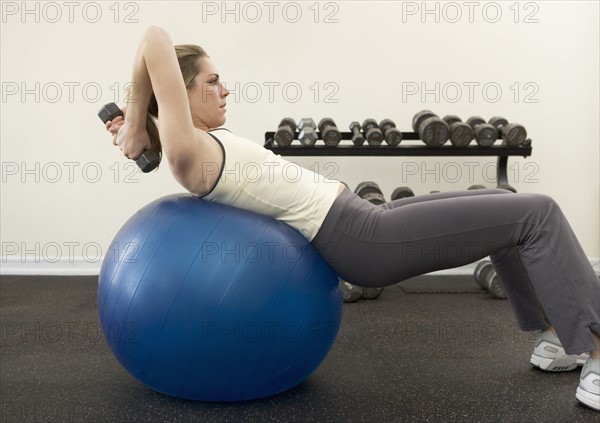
{"points": [[561, 364], [587, 398]]}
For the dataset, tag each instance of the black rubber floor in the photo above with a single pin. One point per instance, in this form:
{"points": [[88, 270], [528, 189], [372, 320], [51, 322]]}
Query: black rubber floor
{"points": [[432, 349]]}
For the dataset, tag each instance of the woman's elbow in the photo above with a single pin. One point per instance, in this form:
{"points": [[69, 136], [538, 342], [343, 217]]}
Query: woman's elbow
{"points": [[155, 29], [155, 34]]}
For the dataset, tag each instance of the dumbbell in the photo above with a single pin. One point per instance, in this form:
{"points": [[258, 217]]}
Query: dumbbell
{"points": [[402, 192], [513, 134], [350, 293], [486, 277], [392, 135], [357, 136], [372, 132], [485, 134], [149, 159], [370, 191], [371, 293], [308, 132], [432, 130], [461, 133], [286, 132], [329, 132]]}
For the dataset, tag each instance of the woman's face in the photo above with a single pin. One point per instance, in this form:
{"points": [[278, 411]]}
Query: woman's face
{"points": [[207, 97]]}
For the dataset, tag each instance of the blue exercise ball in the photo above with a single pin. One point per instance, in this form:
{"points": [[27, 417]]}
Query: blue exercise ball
{"points": [[204, 301]]}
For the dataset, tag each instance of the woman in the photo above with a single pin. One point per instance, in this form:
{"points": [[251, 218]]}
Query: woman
{"points": [[549, 282]]}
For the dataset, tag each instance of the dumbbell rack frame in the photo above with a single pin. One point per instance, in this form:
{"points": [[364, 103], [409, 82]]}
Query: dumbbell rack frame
{"points": [[403, 149]]}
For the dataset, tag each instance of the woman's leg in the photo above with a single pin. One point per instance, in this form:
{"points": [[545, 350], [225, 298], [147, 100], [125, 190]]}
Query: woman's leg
{"points": [[526, 235], [519, 290]]}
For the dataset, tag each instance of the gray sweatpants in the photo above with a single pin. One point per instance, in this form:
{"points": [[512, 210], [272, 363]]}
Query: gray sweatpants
{"points": [[544, 270]]}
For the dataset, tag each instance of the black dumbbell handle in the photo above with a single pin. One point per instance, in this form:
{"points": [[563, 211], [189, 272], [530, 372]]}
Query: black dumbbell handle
{"points": [[149, 159], [357, 136]]}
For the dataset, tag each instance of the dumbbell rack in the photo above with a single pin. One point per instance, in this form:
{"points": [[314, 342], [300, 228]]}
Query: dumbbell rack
{"points": [[403, 149]]}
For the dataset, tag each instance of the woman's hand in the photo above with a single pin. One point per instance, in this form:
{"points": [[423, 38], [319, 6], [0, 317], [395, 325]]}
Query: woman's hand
{"points": [[132, 140]]}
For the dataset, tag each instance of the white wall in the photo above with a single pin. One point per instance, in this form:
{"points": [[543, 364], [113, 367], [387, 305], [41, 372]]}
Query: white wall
{"points": [[369, 58]]}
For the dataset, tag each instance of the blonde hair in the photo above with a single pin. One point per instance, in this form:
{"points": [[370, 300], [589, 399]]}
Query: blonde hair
{"points": [[187, 56]]}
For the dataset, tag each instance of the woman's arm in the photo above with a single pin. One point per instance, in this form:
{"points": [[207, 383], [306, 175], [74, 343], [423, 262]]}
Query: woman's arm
{"points": [[139, 92], [156, 69]]}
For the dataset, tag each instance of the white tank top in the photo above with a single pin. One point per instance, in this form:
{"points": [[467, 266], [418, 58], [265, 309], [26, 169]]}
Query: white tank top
{"points": [[256, 179]]}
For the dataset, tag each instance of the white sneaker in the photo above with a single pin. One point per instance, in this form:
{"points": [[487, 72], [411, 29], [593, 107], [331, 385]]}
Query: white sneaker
{"points": [[588, 391], [549, 354]]}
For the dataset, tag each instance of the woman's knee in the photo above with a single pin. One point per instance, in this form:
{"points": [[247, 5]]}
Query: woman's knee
{"points": [[542, 208], [542, 201]]}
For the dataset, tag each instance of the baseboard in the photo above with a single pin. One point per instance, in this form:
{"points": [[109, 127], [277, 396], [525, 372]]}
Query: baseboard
{"points": [[84, 266], [75, 266]]}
